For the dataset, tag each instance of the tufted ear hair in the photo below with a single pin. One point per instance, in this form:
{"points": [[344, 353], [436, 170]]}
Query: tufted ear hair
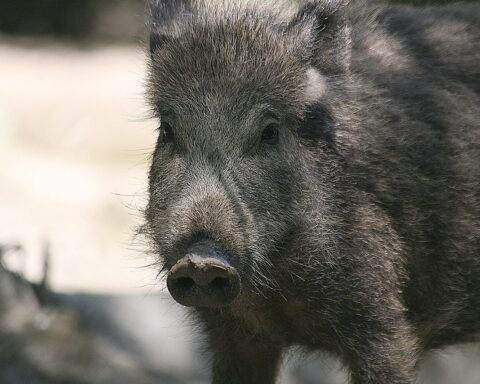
{"points": [[328, 29], [167, 19]]}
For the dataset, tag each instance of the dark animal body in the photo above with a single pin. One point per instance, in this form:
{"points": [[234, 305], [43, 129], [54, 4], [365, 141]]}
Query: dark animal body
{"points": [[317, 180]]}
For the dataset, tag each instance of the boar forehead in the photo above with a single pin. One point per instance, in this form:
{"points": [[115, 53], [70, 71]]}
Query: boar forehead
{"points": [[237, 63]]}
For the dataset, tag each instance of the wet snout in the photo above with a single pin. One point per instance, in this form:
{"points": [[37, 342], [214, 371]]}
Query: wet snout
{"points": [[203, 278]]}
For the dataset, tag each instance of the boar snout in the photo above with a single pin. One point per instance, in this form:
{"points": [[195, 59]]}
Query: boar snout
{"points": [[203, 278]]}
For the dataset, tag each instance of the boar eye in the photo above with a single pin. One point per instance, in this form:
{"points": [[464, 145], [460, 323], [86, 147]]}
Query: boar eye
{"points": [[270, 133], [168, 135]]}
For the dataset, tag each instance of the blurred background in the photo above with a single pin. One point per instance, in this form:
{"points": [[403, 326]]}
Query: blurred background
{"points": [[78, 300]]}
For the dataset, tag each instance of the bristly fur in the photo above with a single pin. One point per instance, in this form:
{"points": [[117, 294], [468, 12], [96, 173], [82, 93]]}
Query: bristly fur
{"points": [[359, 231]]}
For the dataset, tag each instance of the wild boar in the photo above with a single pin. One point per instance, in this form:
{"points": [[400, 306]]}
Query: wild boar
{"points": [[316, 179]]}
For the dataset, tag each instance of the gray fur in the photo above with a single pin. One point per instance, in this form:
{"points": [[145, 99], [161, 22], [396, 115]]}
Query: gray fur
{"points": [[359, 232]]}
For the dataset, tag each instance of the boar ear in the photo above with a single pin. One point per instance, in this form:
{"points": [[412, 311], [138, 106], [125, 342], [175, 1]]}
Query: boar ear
{"points": [[327, 27], [166, 20]]}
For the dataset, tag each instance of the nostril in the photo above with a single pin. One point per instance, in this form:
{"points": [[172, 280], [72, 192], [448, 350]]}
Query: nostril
{"points": [[198, 281], [183, 283], [220, 283]]}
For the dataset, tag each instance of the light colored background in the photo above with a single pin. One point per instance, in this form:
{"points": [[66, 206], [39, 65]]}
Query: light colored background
{"points": [[75, 140]]}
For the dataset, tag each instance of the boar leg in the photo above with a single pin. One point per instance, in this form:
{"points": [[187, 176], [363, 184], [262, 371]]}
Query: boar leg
{"points": [[387, 357]]}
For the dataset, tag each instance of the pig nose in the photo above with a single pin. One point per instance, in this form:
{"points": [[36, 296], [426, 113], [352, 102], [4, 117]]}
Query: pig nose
{"points": [[202, 279]]}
